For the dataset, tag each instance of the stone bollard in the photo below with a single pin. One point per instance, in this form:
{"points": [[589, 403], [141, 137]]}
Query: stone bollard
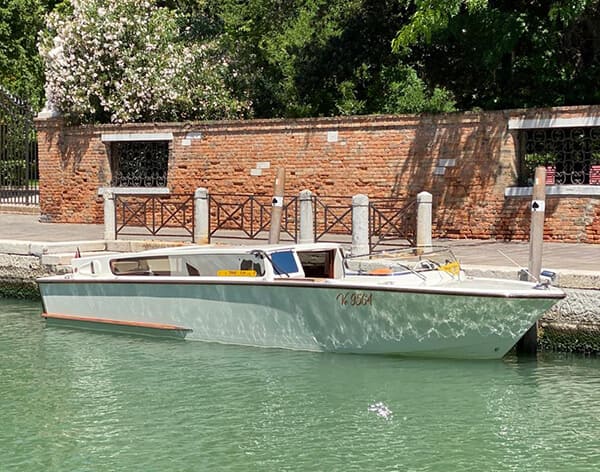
{"points": [[424, 210], [110, 225], [307, 217], [201, 219], [360, 225]]}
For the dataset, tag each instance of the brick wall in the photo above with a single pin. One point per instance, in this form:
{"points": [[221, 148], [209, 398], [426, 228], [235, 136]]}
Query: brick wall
{"points": [[465, 160]]}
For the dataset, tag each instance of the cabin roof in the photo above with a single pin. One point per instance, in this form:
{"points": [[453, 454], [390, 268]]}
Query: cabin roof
{"points": [[241, 248], [215, 249]]}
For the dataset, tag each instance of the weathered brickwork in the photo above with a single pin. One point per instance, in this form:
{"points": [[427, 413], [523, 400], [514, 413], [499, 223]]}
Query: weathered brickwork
{"points": [[465, 160]]}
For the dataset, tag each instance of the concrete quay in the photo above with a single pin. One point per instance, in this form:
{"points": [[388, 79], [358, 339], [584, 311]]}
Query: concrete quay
{"points": [[30, 249]]}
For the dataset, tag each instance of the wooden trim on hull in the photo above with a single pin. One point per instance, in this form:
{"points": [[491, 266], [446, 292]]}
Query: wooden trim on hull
{"points": [[141, 327]]}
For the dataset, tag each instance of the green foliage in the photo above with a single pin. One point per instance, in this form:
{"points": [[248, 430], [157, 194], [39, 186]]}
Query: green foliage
{"points": [[295, 58], [125, 61], [273, 42], [405, 92], [13, 172], [20, 66], [431, 16], [531, 161], [348, 103], [536, 159], [502, 54], [321, 58]]}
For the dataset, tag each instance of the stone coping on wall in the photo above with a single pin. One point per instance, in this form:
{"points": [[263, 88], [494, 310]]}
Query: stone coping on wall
{"points": [[120, 137], [126, 131], [556, 191], [517, 118], [554, 122], [134, 190]]}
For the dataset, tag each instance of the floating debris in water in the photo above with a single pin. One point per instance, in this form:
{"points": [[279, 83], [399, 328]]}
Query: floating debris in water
{"points": [[381, 410]]}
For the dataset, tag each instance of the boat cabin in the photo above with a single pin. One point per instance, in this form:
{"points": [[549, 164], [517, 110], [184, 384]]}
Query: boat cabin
{"points": [[315, 261]]}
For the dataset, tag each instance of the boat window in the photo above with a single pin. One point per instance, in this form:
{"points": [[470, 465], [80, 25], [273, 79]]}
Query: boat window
{"points": [[141, 266], [284, 262], [317, 263], [241, 265], [184, 265]]}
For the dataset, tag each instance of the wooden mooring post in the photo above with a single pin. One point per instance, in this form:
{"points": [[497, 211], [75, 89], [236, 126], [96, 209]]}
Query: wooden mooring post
{"points": [[528, 343], [277, 206]]}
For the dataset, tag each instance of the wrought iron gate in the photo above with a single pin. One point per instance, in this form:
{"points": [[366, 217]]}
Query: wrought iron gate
{"points": [[18, 152]]}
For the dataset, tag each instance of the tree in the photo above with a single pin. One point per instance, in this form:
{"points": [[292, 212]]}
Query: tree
{"points": [[127, 61], [499, 54], [430, 16], [20, 66], [322, 57]]}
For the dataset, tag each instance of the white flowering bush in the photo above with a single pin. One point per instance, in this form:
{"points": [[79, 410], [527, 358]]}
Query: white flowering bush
{"points": [[124, 61]]}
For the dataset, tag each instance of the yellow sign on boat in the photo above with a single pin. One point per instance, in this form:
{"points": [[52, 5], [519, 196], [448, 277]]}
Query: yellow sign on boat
{"points": [[236, 273], [451, 267]]}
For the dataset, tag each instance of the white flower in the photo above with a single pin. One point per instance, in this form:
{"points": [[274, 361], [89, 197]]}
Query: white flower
{"points": [[126, 58]]}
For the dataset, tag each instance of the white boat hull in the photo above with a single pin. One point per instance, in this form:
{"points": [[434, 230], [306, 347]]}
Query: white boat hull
{"points": [[330, 317]]}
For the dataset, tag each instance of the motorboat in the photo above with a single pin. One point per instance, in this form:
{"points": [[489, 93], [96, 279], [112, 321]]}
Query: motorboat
{"points": [[313, 297]]}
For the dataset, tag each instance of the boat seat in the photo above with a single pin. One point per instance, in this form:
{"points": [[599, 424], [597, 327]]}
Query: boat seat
{"points": [[246, 264], [191, 270]]}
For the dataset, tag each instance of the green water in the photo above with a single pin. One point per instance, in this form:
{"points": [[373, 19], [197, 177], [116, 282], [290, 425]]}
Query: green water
{"points": [[84, 401]]}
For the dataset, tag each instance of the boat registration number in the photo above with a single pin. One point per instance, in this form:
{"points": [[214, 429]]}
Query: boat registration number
{"points": [[354, 298]]}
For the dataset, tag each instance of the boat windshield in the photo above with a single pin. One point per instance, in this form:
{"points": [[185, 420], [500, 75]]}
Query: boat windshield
{"points": [[404, 260], [284, 262]]}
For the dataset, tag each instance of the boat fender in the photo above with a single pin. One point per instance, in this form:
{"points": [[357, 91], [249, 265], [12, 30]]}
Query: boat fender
{"points": [[451, 267], [381, 271]]}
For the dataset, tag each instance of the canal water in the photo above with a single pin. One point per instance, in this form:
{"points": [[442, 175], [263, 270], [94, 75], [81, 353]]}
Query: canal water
{"points": [[84, 401]]}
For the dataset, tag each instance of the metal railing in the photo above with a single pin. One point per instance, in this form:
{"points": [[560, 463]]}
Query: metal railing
{"points": [[139, 163], [392, 221], [165, 215], [18, 152], [573, 154], [250, 216], [19, 178], [332, 216]]}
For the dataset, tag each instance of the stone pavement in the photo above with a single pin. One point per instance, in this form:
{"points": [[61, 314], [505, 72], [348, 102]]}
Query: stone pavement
{"points": [[556, 256]]}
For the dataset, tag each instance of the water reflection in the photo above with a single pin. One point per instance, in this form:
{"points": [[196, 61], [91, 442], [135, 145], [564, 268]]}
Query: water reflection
{"points": [[75, 400], [382, 410]]}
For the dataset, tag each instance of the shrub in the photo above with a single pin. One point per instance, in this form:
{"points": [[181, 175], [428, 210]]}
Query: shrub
{"points": [[125, 61]]}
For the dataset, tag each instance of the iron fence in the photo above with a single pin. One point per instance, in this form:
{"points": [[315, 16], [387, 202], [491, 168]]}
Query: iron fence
{"points": [[571, 152], [139, 163], [250, 216], [392, 221], [169, 215], [332, 217], [231, 216], [18, 152]]}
